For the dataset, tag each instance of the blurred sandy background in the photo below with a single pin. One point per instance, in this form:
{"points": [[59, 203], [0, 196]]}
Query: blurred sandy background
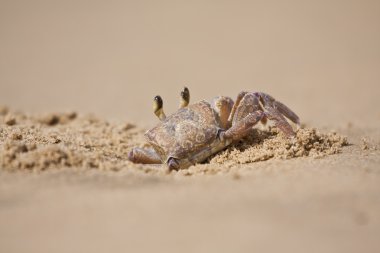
{"points": [[110, 58]]}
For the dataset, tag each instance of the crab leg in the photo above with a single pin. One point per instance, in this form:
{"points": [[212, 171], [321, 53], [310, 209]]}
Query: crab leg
{"points": [[276, 111], [158, 108], [242, 127], [236, 104], [185, 97], [146, 156], [248, 102], [270, 102], [222, 106], [279, 121]]}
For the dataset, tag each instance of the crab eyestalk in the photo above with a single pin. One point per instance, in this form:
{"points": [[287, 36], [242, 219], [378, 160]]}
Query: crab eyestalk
{"points": [[158, 108], [185, 97]]}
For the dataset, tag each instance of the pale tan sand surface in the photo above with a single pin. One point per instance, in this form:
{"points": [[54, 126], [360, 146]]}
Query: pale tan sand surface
{"points": [[66, 185], [65, 182]]}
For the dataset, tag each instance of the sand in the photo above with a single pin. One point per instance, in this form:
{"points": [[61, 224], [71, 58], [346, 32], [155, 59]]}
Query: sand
{"points": [[77, 79], [316, 188], [63, 140]]}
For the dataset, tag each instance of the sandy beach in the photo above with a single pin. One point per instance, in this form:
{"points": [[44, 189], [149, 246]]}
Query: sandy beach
{"points": [[77, 81]]}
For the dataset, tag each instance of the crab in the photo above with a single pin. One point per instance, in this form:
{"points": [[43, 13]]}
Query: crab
{"points": [[200, 130]]}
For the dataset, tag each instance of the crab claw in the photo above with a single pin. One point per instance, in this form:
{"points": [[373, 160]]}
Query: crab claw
{"points": [[173, 164], [146, 156]]}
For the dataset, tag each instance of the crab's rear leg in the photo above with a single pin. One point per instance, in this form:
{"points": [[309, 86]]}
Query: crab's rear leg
{"points": [[146, 156]]}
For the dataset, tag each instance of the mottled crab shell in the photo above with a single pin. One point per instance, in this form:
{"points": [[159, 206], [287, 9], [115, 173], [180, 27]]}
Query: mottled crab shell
{"points": [[184, 133]]}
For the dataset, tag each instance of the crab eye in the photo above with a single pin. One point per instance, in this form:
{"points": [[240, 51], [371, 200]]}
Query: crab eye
{"points": [[158, 103], [158, 99], [185, 94]]}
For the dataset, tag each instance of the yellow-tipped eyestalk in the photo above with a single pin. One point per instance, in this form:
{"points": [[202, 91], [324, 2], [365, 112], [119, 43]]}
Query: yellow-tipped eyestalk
{"points": [[185, 97], [158, 108]]}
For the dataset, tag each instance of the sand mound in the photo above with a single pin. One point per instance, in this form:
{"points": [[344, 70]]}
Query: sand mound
{"points": [[65, 140], [264, 145]]}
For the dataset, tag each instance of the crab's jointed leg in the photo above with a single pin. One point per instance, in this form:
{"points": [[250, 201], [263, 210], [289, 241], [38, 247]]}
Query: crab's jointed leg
{"points": [[223, 106], [275, 111], [146, 156], [248, 102], [242, 127], [270, 102], [158, 107], [236, 104]]}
